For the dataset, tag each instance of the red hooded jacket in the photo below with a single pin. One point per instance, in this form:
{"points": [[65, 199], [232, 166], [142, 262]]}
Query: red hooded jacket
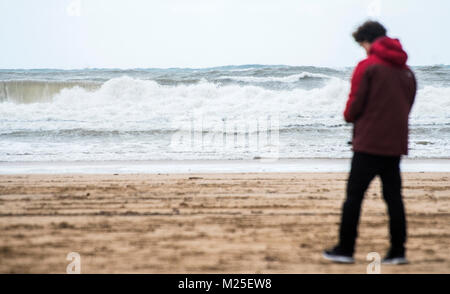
{"points": [[381, 97]]}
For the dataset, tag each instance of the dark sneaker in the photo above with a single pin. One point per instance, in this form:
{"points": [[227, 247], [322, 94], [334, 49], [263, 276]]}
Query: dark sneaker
{"points": [[337, 255], [395, 258]]}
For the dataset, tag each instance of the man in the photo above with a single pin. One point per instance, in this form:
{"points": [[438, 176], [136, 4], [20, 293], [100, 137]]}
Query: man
{"points": [[382, 94]]}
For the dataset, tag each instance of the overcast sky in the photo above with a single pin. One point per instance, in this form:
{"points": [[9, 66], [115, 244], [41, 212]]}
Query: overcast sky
{"points": [[205, 33]]}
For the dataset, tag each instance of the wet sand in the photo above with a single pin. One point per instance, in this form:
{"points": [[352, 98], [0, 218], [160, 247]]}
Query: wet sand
{"points": [[209, 223]]}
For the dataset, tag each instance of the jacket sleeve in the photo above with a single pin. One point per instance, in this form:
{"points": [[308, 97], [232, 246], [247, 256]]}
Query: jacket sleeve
{"points": [[355, 102]]}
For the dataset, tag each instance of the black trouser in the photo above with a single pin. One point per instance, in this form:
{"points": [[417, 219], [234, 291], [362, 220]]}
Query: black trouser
{"points": [[364, 168]]}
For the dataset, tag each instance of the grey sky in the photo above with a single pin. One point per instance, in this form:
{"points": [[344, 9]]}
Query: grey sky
{"points": [[204, 33]]}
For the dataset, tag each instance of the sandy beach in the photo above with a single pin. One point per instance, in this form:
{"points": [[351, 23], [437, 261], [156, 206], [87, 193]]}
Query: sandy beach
{"points": [[209, 223]]}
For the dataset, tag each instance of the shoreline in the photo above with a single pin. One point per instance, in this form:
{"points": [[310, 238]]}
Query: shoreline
{"points": [[319, 165]]}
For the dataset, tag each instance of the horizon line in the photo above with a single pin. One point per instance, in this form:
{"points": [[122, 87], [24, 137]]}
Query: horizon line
{"points": [[200, 68]]}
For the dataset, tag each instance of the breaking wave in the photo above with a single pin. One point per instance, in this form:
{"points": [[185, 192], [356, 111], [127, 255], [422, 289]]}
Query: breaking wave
{"points": [[134, 116]]}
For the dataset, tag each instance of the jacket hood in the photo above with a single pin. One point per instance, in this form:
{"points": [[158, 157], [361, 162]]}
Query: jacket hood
{"points": [[389, 50]]}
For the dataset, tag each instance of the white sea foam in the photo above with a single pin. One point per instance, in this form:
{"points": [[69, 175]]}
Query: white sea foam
{"points": [[126, 99], [432, 106], [79, 123], [121, 102]]}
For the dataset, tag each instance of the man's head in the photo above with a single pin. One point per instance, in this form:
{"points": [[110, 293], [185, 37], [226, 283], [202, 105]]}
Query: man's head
{"points": [[368, 32]]}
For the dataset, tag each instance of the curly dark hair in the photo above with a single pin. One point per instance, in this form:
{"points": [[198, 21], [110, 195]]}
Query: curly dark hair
{"points": [[369, 31]]}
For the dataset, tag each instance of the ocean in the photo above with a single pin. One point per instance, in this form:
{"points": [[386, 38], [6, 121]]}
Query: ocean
{"points": [[189, 114]]}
